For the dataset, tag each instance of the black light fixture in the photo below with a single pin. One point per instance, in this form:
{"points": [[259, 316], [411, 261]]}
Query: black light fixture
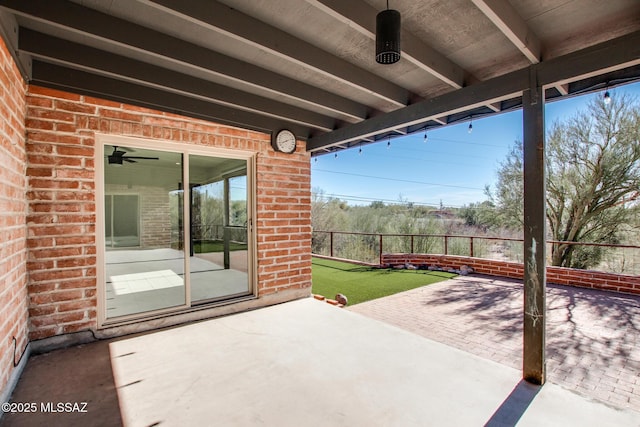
{"points": [[388, 36]]}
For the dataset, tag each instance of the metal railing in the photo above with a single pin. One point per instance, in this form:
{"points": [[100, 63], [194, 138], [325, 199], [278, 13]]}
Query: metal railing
{"points": [[212, 233], [369, 247]]}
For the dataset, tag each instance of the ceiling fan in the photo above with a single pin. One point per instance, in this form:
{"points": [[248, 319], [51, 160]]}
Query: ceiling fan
{"points": [[118, 157]]}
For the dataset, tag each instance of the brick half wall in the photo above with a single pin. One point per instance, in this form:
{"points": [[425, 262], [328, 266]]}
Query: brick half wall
{"points": [[557, 275], [61, 130]]}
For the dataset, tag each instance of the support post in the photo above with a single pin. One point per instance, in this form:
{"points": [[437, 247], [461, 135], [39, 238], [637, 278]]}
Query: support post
{"points": [[226, 233], [534, 358], [191, 225], [331, 244]]}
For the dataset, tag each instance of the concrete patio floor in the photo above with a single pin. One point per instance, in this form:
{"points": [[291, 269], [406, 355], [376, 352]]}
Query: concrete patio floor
{"points": [[593, 337], [300, 363]]}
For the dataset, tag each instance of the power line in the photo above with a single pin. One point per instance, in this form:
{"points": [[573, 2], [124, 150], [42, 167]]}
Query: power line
{"points": [[455, 141], [426, 153], [371, 199], [419, 149], [347, 197], [400, 180]]}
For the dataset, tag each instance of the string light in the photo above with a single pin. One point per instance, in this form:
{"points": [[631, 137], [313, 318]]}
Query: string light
{"points": [[335, 156], [607, 98], [389, 143], [470, 126], [425, 135], [360, 150]]}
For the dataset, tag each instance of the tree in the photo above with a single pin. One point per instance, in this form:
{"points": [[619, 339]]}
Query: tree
{"points": [[508, 197], [327, 213], [593, 180], [482, 215]]}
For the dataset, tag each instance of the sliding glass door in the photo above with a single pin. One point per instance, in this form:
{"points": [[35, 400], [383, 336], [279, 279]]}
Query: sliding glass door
{"points": [[122, 217], [144, 268], [168, 245], [218, 228]]}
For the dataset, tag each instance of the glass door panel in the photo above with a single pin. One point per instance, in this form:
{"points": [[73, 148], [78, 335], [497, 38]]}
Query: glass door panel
{"points": [[144, 244], [218, 202], [123, 218]]}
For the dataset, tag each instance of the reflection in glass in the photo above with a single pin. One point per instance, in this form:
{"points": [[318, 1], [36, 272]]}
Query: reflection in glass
{"points": [[143, 236], [218, 200], [122, 218]]}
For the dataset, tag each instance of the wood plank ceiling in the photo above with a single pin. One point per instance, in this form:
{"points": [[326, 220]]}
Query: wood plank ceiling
{"points": [[308, 65]]}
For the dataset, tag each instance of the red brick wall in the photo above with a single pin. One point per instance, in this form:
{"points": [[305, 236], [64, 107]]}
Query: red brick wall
{"points": [[13, 209], [284, 221], [558, 275], [61, 130]]}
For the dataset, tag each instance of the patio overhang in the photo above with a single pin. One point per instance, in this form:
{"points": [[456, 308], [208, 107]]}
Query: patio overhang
{"points": [[272, 65], [308, 66], [589, 69]]}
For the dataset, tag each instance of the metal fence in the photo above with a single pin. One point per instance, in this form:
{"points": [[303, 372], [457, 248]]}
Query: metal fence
{"points": [[211, 233], [216, 232], [369, 247]]}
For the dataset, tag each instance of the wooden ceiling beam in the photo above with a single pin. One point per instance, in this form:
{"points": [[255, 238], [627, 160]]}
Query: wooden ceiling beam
{"points": [[606, 57], [362, 16], [129, 39], [73, 55], [233, 23], [506, 18]]}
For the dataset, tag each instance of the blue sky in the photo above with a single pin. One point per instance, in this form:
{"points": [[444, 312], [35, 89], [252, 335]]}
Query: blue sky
{"points": [[452, 167]]}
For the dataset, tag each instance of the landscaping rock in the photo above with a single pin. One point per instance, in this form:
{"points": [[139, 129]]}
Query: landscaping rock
{"points": [[466, 270], [342, 299]]}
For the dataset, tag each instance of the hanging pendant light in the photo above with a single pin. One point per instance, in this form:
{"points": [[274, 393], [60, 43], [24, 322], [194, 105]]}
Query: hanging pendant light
{"points": [[388, 36]]}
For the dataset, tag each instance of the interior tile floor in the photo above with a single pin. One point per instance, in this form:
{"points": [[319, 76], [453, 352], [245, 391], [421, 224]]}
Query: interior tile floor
{"points": [[153, 279]]}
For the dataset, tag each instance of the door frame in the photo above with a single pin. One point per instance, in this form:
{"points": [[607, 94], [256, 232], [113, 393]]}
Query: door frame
{"points": [[101, 140]]}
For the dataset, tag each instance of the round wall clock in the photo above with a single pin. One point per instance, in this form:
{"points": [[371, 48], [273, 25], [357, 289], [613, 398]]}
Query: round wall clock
{"points": [[284, 141]]}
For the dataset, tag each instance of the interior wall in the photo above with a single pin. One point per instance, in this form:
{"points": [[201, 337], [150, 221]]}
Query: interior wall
{"points": [[13, 209], [153, 214], [61, 133]]}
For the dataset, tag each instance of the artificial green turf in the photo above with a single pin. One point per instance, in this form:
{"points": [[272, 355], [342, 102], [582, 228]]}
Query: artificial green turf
{"points": [[361, 283]]}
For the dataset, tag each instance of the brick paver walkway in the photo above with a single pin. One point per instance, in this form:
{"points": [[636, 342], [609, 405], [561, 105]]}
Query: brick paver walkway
{"points": [[593, 337]]}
